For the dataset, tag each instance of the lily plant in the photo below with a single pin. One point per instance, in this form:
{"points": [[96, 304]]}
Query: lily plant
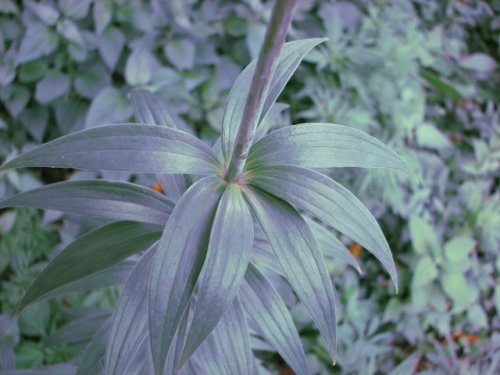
{"points": [[254, 205]]}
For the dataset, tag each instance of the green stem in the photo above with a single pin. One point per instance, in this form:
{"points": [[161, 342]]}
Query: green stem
{"points": [[273, 42]]}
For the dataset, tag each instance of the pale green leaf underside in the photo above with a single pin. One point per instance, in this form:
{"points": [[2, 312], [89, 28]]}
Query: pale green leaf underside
{"points": [[320, 145], [129, 322], [297, 251], [227, 350], [138, 148], [265, 307], [98, 198], [231, 241], [289, 59], [331, 203], [179, 258]]}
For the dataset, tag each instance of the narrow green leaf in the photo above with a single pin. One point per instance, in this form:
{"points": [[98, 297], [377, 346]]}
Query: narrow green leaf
{"points": [[92, 252], [123, 147], [92, 360], [331, 245], [129, 323], [319, 145], [231, 241], [287, 62], [331, 203], [78, 330], [149, 109], [114, 275], [299, 256], [98, 198], [178, 262], [227, 350], [264, 306]]}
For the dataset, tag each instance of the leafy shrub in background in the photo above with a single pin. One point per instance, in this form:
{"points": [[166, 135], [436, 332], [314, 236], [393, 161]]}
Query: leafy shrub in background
{"points": [[430, 93]]}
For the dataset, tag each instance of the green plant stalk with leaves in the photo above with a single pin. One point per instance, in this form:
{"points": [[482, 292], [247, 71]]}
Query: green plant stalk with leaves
{"points": [[185, 306]]}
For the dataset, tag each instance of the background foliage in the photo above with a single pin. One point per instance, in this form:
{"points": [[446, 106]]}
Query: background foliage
{"points": [[420, 75]]}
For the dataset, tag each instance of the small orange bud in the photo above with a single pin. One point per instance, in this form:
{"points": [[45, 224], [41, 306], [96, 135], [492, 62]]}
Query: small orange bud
{"points": [[355, 249], [157, 187]]}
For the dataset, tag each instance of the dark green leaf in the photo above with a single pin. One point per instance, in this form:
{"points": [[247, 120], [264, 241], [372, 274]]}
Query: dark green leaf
{"points": [[99, 198], [92, 252]]}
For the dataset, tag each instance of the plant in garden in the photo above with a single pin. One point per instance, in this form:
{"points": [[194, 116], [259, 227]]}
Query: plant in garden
{"points": [[245, 211]]}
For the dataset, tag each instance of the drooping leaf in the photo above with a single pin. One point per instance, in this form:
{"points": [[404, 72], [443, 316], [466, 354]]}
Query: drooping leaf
{"points": [[264, 306], [98, 198], [129, 322], [178, 262], [92, 252], [227, 350], [319, 145], [330, 202], [231, 241], [81, 329], [331, 245], [287, 62], [123, 147], [299, 256], [113, 275]]}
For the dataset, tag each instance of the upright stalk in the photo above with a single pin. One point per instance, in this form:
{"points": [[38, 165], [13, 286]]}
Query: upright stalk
{"points": [[273, 42]]}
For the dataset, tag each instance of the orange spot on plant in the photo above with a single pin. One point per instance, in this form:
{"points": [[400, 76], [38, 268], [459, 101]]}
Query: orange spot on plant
{"points": [[157, 187], [355, 249]]}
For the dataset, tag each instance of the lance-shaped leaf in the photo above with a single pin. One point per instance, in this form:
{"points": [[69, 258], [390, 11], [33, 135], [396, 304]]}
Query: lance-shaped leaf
{"points": [[227, 350], [287, 62], [78, 330], [318, 145], [331, 203], [331, 245], [99, 198], [129, 323], [92, 252], [231, 241], [149, 109], [179, 258], [113, 275], [299, 256], [92, 360], [264, 306], [137, 148]]}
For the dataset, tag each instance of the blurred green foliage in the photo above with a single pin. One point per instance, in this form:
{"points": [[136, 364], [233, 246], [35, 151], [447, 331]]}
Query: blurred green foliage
{"points": [[420, 75]]}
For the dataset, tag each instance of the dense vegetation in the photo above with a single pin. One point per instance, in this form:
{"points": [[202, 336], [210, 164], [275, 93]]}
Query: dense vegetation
{"points": [[419, 75]]}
